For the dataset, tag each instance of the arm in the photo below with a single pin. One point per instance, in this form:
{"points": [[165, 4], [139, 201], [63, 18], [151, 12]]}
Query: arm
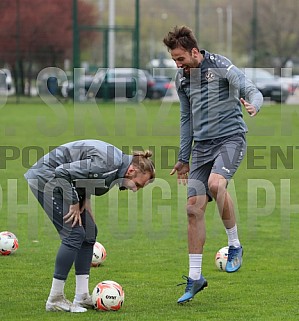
{"points": [[65, 174], [186, 128], [250, 96], [87, 206], [186, 138]]}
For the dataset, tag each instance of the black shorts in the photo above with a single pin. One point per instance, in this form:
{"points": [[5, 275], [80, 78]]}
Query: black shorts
{"points": [[220, 156]]}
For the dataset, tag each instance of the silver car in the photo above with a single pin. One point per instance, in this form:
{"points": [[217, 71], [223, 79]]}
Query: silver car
{"points": [[271, 86], [127, 83], [5, 78]]}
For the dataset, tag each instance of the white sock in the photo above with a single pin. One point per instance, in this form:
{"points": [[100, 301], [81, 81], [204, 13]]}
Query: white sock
{"points": [[57, 287], [195, 261], [232, 235], [82, 286]]}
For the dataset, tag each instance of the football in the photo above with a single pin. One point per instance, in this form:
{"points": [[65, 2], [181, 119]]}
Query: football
{"points": [[8, 243], [221, 258], [99, 254], [108, 296]]}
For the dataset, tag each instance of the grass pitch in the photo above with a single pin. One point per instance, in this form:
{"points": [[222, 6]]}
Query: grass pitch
{"points": [[144, 233]]}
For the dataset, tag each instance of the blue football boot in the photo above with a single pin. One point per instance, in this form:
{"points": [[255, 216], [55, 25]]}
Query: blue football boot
{"points": [[234, 259], [193, 287]]}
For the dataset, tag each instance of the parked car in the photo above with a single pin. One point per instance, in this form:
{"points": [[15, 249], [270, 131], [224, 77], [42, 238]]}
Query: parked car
{"points": [[150, 84], [292, 83], [162, 87], [7, 78], [272, 87], [111, 83], [295, 82]]}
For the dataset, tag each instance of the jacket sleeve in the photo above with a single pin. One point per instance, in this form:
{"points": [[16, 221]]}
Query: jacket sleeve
{"points": [[75, 170], [66, 174], [186, 123], [186, 128], [246, 87], [85, 177]]}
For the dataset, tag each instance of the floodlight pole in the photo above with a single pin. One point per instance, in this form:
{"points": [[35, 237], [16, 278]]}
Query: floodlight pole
{"points": [[254, 34], [17, 75], [136, 33], [197, 19], [76, 47], [76, 38], [229, 30], [111, 42]]}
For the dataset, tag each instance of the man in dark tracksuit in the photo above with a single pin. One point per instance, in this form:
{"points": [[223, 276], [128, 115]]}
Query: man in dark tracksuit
{"points": [[63, 182], [211, 92]]}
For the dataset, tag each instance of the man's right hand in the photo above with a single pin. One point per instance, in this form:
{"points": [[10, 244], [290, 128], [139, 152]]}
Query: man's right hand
{"points": [[74, 215], [182, 170]]}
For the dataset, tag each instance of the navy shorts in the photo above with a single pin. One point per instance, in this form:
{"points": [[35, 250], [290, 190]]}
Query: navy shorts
{"points": [[220, 156]]}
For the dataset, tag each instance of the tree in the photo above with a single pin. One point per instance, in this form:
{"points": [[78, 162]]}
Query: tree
{"points": [[38, 33], [277, 35], [280, 32]]}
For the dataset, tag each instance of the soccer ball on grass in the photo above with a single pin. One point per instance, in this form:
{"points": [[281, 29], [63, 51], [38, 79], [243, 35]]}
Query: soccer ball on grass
{"points": [[8, 243], [108, 296], [99, 254], [221, 258]]}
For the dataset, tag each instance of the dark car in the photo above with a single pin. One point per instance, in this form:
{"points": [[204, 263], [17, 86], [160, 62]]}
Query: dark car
{"points": [[271, 86], [150, 83], [162, 87], [128, 83], [158, 86]]}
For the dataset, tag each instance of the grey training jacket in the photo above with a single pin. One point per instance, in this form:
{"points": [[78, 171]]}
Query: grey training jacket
{"points": [[84, 166], [210, 104]]}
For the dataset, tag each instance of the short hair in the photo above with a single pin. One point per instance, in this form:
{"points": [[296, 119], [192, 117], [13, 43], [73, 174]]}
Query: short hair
{"points": [[141, 160], [181, 37]]}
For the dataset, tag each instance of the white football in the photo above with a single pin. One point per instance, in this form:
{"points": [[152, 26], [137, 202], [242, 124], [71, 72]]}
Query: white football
{"points": [[108, 296], [99, 254], [8, 243], [221, 258]]}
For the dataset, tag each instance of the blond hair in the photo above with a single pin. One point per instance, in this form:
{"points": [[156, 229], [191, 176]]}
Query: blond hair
{"points": [[141, 160]]}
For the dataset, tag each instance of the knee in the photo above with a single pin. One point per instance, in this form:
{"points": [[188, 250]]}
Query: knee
{"points": [[191, 210], [213, 188], [217, 186], [195, 208]]}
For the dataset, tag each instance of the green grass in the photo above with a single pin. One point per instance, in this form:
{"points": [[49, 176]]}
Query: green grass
{"points": [[145, 233]]}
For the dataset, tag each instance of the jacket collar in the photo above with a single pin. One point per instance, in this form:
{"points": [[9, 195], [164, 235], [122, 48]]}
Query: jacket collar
{"points": [[126, 161]]}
